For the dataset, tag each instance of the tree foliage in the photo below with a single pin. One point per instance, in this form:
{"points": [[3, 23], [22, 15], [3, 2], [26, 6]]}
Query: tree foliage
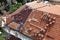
{"points": [[15, 7]]}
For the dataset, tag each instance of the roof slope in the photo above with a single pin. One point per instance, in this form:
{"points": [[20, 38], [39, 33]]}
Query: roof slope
{"points": [[54, 9], [29, 22]]}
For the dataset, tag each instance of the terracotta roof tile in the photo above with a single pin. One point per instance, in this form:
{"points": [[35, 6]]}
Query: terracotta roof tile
{"points": [[14, 25]]}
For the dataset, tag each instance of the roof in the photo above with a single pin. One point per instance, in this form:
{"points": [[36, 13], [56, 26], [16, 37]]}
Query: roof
{"points": [[54, 9], [33, 22]]}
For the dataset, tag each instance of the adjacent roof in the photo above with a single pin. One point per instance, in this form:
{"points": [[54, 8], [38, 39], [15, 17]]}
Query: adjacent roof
{"points": [[54, 9]]}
